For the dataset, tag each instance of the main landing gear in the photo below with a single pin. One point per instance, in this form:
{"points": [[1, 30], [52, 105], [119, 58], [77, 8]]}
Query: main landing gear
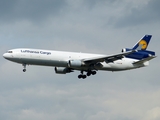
{"points": [[24, 67], [88, 74]]}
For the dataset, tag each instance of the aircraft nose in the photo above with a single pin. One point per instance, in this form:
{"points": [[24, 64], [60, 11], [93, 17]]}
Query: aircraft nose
{"points": [[6, 55]]}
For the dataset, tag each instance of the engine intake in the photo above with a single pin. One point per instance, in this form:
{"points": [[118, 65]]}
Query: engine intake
{"points": [[123, 50], [126, 49]]}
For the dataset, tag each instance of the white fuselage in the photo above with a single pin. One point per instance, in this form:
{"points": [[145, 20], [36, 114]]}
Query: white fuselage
{"points": [[61, 58]]}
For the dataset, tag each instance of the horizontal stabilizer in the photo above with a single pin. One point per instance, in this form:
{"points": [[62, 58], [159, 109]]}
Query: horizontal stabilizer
{"points": [[144, 60]]}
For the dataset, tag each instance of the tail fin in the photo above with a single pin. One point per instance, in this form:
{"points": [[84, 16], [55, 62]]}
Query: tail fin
{"points": [[141, 53], [142, 44]]}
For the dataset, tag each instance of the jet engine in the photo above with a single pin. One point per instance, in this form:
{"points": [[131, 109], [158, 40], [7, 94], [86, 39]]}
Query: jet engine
{"points": [[62, 70], [123, 50], [126, 49], [75, 63]]}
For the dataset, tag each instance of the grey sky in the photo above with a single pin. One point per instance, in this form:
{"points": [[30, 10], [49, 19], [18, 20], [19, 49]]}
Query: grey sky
{"points": [[96, 26]]}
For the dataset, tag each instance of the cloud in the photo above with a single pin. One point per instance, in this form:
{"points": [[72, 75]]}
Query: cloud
{"points": [[86, 26], [145, 13], [153, 114], [34, 11]]}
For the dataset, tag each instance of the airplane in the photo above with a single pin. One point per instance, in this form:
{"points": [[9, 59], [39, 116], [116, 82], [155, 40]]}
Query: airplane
{"points": [[67, 62]]}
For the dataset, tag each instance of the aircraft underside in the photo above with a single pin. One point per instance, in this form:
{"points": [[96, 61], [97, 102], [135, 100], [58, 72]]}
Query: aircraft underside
{"points": [[63, 67], [85, 70]]}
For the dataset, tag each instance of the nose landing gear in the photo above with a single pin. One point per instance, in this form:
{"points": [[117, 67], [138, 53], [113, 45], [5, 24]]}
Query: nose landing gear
{"points": [[24, 67]]}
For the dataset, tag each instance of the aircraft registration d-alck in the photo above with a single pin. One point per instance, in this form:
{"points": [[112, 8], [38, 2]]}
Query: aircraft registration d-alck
{"points": [[66, 62]]}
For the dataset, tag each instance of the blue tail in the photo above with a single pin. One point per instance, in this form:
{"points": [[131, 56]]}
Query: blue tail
{"points": [[141, 47], [142, 44]]}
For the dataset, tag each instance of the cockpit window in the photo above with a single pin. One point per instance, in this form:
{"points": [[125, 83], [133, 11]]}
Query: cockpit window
{"points": [[10, 52]]}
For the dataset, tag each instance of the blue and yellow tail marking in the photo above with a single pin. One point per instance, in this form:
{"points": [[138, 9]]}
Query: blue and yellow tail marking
{"points": [[143, 43], [140, 47]]}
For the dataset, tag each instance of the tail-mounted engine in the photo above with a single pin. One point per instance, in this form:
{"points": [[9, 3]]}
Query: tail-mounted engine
{"points": [[126, 49]]}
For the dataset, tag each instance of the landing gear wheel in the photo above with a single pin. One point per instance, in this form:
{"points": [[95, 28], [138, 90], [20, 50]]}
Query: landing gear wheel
{"points": [[79, 76], [88, 73], [84, 76], [94, 72], [24, 67]]}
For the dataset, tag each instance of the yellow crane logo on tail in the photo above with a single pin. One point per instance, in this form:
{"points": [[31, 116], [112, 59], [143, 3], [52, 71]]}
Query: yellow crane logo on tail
{"points": [[143, 43]]}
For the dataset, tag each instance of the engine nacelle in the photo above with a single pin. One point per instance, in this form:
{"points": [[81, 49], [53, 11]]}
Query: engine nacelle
{"points": [[123, 50], [126, 49], [62, 70], [74, 63]]}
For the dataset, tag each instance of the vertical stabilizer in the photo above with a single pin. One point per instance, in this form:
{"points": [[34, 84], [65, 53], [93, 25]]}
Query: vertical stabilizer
{"points": [[142, 44]]}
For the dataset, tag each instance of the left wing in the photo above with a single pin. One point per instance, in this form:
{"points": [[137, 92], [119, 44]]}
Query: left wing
{"points": [[107, 59]]}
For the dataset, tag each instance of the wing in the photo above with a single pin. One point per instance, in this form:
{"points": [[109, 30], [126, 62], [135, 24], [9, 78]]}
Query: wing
{"points": [[144, 60], [107, 59]]}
